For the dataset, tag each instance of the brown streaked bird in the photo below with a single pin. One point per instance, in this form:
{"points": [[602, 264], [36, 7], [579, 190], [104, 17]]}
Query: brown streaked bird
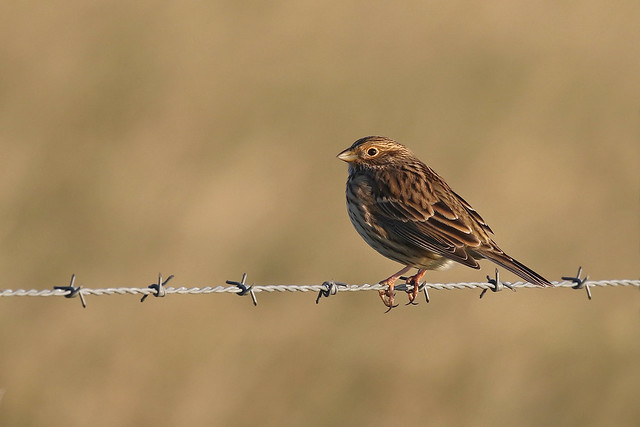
{"points": [[408, 213]]}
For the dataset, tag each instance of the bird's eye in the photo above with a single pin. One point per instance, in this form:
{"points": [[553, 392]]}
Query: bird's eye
{"points": [[372, 151]]}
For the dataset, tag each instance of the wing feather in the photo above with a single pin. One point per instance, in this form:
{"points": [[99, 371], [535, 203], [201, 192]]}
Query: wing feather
{"points": [[430, 218]]}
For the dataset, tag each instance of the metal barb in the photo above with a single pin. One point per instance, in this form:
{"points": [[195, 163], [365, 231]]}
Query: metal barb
{"points": [[426, 292], [579, 283], [244, 289], [73, 291], [403, 287], [330, 288], [158, 287], [497, 284]]}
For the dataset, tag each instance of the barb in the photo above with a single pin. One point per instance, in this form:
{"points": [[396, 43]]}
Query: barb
{"points": [[325, 289], [72, 291], [426, 292], [243, 289], [579, 283], [329, 288], [159, 288]]}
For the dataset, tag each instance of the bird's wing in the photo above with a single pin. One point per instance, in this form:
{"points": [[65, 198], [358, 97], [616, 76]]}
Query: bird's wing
{"points": [[475, 215], [434, 218]]}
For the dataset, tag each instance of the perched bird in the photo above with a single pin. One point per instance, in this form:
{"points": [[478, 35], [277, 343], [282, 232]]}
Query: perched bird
{"points": [[408, 213]]}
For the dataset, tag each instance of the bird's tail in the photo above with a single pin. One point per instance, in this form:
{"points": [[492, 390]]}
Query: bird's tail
{"points": [[505, 261]]}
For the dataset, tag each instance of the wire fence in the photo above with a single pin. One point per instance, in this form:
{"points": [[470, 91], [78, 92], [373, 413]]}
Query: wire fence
{"points": [[326, 289]]}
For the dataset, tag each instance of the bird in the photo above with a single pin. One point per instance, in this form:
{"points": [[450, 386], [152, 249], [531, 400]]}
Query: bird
{"points": [[404, 210]]}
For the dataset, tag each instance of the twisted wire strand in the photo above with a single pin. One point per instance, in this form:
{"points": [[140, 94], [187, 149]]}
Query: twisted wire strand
{"points": [[341, 287]]}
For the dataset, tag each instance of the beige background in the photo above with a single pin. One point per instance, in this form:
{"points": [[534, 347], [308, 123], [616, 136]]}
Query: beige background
{"points": [[199, 139]]}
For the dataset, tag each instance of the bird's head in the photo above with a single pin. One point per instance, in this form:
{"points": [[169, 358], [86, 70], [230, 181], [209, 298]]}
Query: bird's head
{"points": [[374, 151]]}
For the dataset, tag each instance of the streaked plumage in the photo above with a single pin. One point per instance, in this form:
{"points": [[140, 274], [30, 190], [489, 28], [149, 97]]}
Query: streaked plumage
{"points": [[408, 213]]}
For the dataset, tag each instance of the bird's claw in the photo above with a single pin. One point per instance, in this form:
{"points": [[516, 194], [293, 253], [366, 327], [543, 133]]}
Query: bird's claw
{"points": [[412, 292], [389, 309], [388, 297]]}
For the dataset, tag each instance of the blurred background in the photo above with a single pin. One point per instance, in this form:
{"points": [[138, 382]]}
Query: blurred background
{"points": [[199, 139]]}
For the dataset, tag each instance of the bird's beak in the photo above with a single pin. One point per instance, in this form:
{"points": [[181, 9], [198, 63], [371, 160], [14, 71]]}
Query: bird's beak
{"points": [[347, 155]]}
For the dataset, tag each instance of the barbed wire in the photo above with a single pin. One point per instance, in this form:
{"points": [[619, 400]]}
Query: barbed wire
{"points": [[325, 289]]}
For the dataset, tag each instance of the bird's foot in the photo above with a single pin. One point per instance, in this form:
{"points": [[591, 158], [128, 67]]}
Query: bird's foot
{"points": [[388, 297], [415, 282]]}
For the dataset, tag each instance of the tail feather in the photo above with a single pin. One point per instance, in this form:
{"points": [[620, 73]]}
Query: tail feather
{"points": [[516, 267]]}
